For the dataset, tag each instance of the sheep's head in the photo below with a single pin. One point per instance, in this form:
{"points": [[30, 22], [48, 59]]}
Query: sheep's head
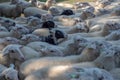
{"points": [[14, 52], [60, 34], [98, 45], [14, 1], [30, 38], [102, 3], [3, 29], [78, 40], [82, 27], [19, 30], [109, 27], [115, 35], [19, 9], [7, 23], [10, 74], [53, 11], [116, 12], [46, 17], [10, 40], [51, 51], [92, 74], [106, 58], [89, 14], [50, 2], [67, 12], [81, 5], [48, 24], [33, 21]]}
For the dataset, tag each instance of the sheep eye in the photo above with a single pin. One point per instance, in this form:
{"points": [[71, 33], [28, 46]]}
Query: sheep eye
{"points": [[19, 28], [12, 51], [8, 78], [78, 40], [52, 51]]}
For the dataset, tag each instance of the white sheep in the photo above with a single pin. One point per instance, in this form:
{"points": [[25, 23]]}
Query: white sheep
{"points": [[69, 47], [45, 5], [102, 3], [105, 60], [10, 10], [30, 11], [116, 12], [51, 51], [16, 32], [14, 1], [70, 73], [25, 39], [3, 29], [115, 35], [7, 22], [108, 27], [115, 73], [6, 41], [78, 28], [54, 11], [8, 73], [21, 53]]}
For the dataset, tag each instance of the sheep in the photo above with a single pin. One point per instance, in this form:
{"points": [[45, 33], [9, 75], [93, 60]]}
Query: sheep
{"points": [[30, 11], [6, 41], [16, 32], [6, 58], [14, 1], [20, 54], [57, 73], [8, 73], [41, 32], [52, 36], [115, 35], [80, 5], [54, 11], [105, 60], [107, 28], [33, 21], [30, 38], [116, 12], [69, 73], [67, 12], [51, 51], [78, 28], [48, 24], [74, 45], [45, 5], [115, 73], [6, 22], [11, 10], [46, 17], [102, 3], [3, 29], [66, 20], [87, 14]]}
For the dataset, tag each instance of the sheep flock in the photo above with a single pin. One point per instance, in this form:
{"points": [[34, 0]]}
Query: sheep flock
{"points": [[60, 41]]}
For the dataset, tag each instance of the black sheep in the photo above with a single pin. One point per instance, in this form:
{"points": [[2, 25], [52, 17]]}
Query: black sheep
{"points": [[58, 34], [48, 24], [67, 12]]}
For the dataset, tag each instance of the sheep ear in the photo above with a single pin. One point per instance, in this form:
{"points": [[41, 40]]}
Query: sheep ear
{"points": [[5, 52]]}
